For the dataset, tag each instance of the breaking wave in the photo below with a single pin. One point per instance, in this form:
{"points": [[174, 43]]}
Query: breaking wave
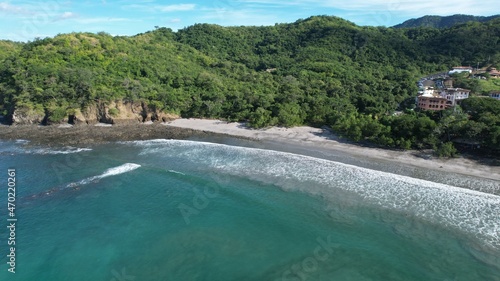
{"points": [[22, 147], [67, 150], [128, 167], [472, 212]]}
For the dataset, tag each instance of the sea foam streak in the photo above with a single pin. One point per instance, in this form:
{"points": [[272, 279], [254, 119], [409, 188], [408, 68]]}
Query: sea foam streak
{"points": [[128, 167], [109, 172], [20, 147], [67, 150], [474, 213], [176, 172], [119, 170]]}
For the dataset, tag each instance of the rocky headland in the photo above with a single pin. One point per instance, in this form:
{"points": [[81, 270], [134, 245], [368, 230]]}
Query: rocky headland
{"points": [[115, 112]]}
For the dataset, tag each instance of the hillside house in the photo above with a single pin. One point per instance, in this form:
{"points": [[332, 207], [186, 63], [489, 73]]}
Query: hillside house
{"points": [[494, 73], [460, 69], [431, 101], [495, 95], [454, 95]]}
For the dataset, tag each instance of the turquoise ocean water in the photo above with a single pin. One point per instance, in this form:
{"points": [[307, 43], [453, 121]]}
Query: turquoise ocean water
{"points": [[190, 210]]}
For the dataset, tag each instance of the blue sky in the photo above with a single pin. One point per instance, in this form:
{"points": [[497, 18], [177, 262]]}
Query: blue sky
{"points": [[23, 20]]}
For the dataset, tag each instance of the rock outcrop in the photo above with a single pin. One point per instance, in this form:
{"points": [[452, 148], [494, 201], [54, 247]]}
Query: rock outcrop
{"points": [[115, 112], [24, 115], [122, 112]]}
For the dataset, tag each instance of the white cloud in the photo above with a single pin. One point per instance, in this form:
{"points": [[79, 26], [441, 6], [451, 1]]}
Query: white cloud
{"points": [[66, 16], [160, 8], [275, 2], [402, 7], [177, 8], [135, 1], [5, 7], [101, 20], [177, 20], [230, 17]]}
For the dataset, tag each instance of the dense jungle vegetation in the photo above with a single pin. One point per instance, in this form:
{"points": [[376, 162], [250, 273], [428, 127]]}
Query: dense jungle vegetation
{"points": [[321, 71], [443, 22]]}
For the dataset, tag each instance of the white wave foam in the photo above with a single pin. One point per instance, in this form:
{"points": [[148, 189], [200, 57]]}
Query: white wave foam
{"points": [[469, 211], [67, 150], [128, 167], [176, 172], [42, 151], [146, 142]]}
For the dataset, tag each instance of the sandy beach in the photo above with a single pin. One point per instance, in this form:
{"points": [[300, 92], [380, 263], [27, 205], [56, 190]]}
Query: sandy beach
{"points": [[322, 138]]}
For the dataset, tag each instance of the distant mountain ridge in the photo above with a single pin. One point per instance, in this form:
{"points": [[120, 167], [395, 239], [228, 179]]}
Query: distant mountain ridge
{"points": [[443, 22]]}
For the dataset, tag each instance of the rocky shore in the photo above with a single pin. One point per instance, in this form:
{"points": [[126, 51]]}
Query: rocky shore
{"points": [[68, 135]]}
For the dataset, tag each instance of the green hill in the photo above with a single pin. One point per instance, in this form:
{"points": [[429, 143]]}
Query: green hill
{"points": [[318, 71], [443, 22]]}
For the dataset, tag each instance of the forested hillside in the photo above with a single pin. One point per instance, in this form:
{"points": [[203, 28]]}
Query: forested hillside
{"points": [[318, 71], [443, 22], [8, 49]]}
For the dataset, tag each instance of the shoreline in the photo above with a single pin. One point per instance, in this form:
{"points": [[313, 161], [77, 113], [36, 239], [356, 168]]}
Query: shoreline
{"points": [[309, 138], [321, 139]]}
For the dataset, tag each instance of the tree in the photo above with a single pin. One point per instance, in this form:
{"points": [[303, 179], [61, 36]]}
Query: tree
{"points": [[451, 124], [446, 150], [261, 118]]}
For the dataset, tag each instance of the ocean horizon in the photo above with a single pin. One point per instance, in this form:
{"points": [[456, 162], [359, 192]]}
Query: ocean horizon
{"points": [[229, 209]]}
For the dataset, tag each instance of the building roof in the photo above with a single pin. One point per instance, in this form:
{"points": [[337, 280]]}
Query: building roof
{"points": [[457, 90], [432, 96], [462, 67]]}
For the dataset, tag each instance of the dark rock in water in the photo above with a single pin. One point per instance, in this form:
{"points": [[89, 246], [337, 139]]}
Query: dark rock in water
{"points": [[89, 134]]}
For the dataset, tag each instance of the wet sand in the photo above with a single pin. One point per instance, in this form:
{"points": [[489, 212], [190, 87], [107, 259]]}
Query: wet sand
{"points": [[315, 138]]}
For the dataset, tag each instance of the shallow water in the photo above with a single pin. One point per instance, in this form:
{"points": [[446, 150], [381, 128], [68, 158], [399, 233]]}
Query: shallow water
{"points": [[185, 210]]}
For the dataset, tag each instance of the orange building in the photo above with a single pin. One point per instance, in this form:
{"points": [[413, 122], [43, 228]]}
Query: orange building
{"points": [[431, 102]]}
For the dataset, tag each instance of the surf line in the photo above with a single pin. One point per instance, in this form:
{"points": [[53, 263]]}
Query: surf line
{"points": [[125, 168], [176, 172]]}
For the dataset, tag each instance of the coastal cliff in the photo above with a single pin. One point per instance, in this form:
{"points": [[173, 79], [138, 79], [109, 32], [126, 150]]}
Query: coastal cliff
{"points": [[115, 112], [25, 115]]}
